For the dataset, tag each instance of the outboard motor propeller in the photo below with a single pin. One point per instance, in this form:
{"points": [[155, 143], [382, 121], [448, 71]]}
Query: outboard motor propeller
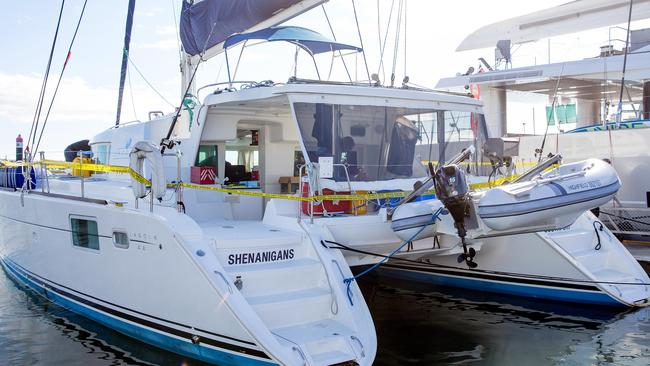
{"points": [[452, 190]]}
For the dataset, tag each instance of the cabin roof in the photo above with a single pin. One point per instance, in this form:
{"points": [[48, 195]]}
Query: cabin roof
{"points": [[382, 95]]}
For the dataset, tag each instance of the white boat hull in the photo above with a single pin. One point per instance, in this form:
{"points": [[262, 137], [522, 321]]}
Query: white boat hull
{"points": [[176, 290], [556, 265], [172, 306]]}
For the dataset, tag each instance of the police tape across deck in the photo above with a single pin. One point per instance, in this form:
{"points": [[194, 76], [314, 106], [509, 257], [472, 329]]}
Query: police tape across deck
{"points": [[119, 169]]}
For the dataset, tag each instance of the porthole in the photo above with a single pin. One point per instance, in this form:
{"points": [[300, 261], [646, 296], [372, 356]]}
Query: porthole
{"points": [[120, 239]]}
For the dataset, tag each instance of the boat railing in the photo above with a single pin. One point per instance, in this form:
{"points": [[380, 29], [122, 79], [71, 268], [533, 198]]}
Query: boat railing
{"points": [[305, 170], [45, 183]]}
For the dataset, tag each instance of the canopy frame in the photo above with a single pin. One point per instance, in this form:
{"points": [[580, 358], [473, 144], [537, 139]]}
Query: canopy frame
{"points": [[308, 40]]}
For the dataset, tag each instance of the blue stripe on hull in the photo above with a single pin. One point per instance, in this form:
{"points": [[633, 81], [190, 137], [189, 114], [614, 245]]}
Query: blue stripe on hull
{"points": [[540, 292], [159, 340]]}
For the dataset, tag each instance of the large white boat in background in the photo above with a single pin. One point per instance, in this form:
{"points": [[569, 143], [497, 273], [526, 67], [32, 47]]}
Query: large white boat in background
{"points": [[595, 107], [583, 261]]}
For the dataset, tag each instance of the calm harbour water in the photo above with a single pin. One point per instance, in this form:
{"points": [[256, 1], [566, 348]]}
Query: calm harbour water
{"points": [[417, 324]]}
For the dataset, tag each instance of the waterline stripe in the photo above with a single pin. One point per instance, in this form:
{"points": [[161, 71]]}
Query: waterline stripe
{"points": [[144, 322], [518, 280]]}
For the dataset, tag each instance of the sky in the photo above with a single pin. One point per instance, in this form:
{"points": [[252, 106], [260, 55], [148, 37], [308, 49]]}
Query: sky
{"points": [[87, 98]]}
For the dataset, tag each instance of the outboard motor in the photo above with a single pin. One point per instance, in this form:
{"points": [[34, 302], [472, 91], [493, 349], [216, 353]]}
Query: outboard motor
{"points": [[452, 190]]}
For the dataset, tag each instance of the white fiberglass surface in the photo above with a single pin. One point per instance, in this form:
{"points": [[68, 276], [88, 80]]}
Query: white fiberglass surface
{"points": [[244, 230]]}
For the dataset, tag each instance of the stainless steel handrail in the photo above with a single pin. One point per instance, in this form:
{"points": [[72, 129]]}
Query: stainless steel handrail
{"points": [[311, 190], [223, 277]]}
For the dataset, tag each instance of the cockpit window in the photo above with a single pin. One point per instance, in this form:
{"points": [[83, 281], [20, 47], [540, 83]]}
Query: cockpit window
{"points": [[373, 142], [378, 143]]}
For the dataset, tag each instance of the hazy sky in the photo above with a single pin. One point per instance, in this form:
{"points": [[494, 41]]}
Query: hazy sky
{"points": [[86, 101]]}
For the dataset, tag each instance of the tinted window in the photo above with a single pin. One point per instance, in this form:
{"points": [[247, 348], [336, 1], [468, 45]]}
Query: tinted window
{"points": [[84, 233], [363, 138]]}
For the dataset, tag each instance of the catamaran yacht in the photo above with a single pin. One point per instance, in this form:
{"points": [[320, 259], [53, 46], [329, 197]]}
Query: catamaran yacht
{"points": [[204, 249], [579, 260], [226, 269]]}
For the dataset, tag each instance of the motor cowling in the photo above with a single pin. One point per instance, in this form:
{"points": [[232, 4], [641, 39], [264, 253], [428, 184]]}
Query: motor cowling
{"points": [[452, 190]]}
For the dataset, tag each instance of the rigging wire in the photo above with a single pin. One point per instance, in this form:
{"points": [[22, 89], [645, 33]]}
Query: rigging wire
{"points": [[379, 30], [147, 81], [382, 45], [365, 61], [128, 74], [58, 83], [557, 86], [405, 12], [340, 53], [41, 96], [398, 29], [619, 111]]}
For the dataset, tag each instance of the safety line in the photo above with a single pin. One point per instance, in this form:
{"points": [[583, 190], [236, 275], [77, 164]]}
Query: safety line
{"points": [[119, 169]]}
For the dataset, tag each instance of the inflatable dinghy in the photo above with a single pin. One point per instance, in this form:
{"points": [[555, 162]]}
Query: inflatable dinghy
{"points": [[551, 200], [554, 199]]}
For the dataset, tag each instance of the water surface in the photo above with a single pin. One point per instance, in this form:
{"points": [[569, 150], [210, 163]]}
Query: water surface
{"points": [[417, 324]]}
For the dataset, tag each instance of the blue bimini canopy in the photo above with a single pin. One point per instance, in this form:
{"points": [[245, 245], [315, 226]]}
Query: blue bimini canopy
{"points": [[307, 39]]}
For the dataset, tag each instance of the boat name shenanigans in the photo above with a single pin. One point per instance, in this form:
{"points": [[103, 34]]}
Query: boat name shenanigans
{"points": [[259, 257]]}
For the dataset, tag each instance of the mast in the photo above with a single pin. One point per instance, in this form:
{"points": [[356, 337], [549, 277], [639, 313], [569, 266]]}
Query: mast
{"points": [[125, 58]]}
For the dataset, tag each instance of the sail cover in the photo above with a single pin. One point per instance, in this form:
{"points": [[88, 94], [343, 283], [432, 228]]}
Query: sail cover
{"points": [[205, 24], [309, 40]]}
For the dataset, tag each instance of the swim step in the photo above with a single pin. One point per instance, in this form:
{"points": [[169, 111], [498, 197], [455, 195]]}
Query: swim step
{"points": [[293, 308], [325, 342], [574, 241], [591, 258], [287, 276], [611, 275], [629, 293]]}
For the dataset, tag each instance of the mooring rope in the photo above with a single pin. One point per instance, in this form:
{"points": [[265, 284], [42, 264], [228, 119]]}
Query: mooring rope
{"points": [[341, 246], [348, 281]]}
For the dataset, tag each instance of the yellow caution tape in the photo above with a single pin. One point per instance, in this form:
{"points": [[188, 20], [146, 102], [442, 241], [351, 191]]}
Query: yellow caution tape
{"points": [[96, 168], [55, 164], [483, 163]]}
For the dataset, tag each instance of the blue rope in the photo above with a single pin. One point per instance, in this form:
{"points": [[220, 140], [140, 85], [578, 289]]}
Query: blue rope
{"points": [[348, 281]]}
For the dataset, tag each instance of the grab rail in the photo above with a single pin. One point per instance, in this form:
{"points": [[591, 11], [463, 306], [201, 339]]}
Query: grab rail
{"points": [[363, 349], [224, 280]]}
